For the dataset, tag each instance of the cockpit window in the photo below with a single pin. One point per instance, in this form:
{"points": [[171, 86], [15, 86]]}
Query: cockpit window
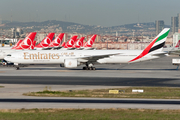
{"points": [[9, 55]]}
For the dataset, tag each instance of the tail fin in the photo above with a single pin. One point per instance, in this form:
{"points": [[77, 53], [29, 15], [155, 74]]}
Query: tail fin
{"points": [[90, 42], [71, 42], [46, 41], [177, 45], [156, 45], [17, 44], [63, 44], [57, 40], [79, 43], [33, 45], [27, 42]]}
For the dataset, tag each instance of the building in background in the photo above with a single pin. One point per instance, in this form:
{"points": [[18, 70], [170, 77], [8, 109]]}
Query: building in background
{"points": [[176, 38], [0, 20], [174, 24], [159, 26], [178, 17]]}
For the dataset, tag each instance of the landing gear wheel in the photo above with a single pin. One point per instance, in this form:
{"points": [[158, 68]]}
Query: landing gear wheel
{"points": [[93, 68], [84, 68], [89, 68], [17, 68]]}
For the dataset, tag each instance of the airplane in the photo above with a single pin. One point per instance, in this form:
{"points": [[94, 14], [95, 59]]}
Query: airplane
{"points": [[173, 50], [56, 41], [17, 44], [89, 43], [45, 42], [27, 43], [74, 58], [71, 42], [79, 43], [64, 46]]}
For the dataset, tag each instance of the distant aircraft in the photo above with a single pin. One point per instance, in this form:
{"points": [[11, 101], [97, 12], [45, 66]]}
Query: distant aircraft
{"points": [[173, 50], [17, 44], [90, 42], [71, 42], [26, 44], [74, 58], [46, 41], [56, 42], [79, 43]]}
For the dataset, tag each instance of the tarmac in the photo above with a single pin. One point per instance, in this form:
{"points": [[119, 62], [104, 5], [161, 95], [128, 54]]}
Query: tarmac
{"points": [[158, 72]]}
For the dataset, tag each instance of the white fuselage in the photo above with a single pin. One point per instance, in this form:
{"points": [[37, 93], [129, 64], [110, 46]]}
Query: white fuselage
{"points": [[5, 51], [58, 56]]}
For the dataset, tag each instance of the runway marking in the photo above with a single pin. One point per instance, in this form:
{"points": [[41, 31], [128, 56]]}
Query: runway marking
{"points": [[64, 70]]}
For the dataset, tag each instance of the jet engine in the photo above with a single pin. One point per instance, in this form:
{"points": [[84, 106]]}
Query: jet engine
{"points": [[71, 63]]}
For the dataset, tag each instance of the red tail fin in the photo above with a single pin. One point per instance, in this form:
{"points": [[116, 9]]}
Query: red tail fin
{"points": [[63, 44], [71, 42], [79, 43], [17, 44], [46, 41], [90, 42], [57, 40], [27, 42], [33, 45], [177, 44]]}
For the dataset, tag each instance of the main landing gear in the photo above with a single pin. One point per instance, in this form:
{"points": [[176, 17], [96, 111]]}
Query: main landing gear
{"points": [[89, 67], [17, 68]]}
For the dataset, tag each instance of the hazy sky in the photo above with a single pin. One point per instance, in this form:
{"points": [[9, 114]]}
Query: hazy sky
{"points": [[90, 12]]}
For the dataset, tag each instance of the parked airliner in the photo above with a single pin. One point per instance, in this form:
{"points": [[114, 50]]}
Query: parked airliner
{"points": [[27, 43], [74, 58]]}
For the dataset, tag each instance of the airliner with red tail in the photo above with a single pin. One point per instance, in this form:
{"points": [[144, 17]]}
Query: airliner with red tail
{"points": [[173, 50], [71, 42], [79, 43], [17, 44], [27, 43], [56, 42], [46, 41], [74, 58], [90, 42]]}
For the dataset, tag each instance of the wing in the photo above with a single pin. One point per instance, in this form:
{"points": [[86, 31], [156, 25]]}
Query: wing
{"points": [[94, 58]]}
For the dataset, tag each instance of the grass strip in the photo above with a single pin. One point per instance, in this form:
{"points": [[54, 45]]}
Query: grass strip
{"points": [[149, 92], [1, 86], [89, 114]]}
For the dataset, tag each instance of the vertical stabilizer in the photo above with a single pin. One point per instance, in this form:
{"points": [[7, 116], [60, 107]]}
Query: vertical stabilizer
{"points": [[156, 45]]}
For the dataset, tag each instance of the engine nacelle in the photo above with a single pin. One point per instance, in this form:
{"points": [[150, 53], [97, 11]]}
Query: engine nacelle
{"points": [[71, 63]]}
